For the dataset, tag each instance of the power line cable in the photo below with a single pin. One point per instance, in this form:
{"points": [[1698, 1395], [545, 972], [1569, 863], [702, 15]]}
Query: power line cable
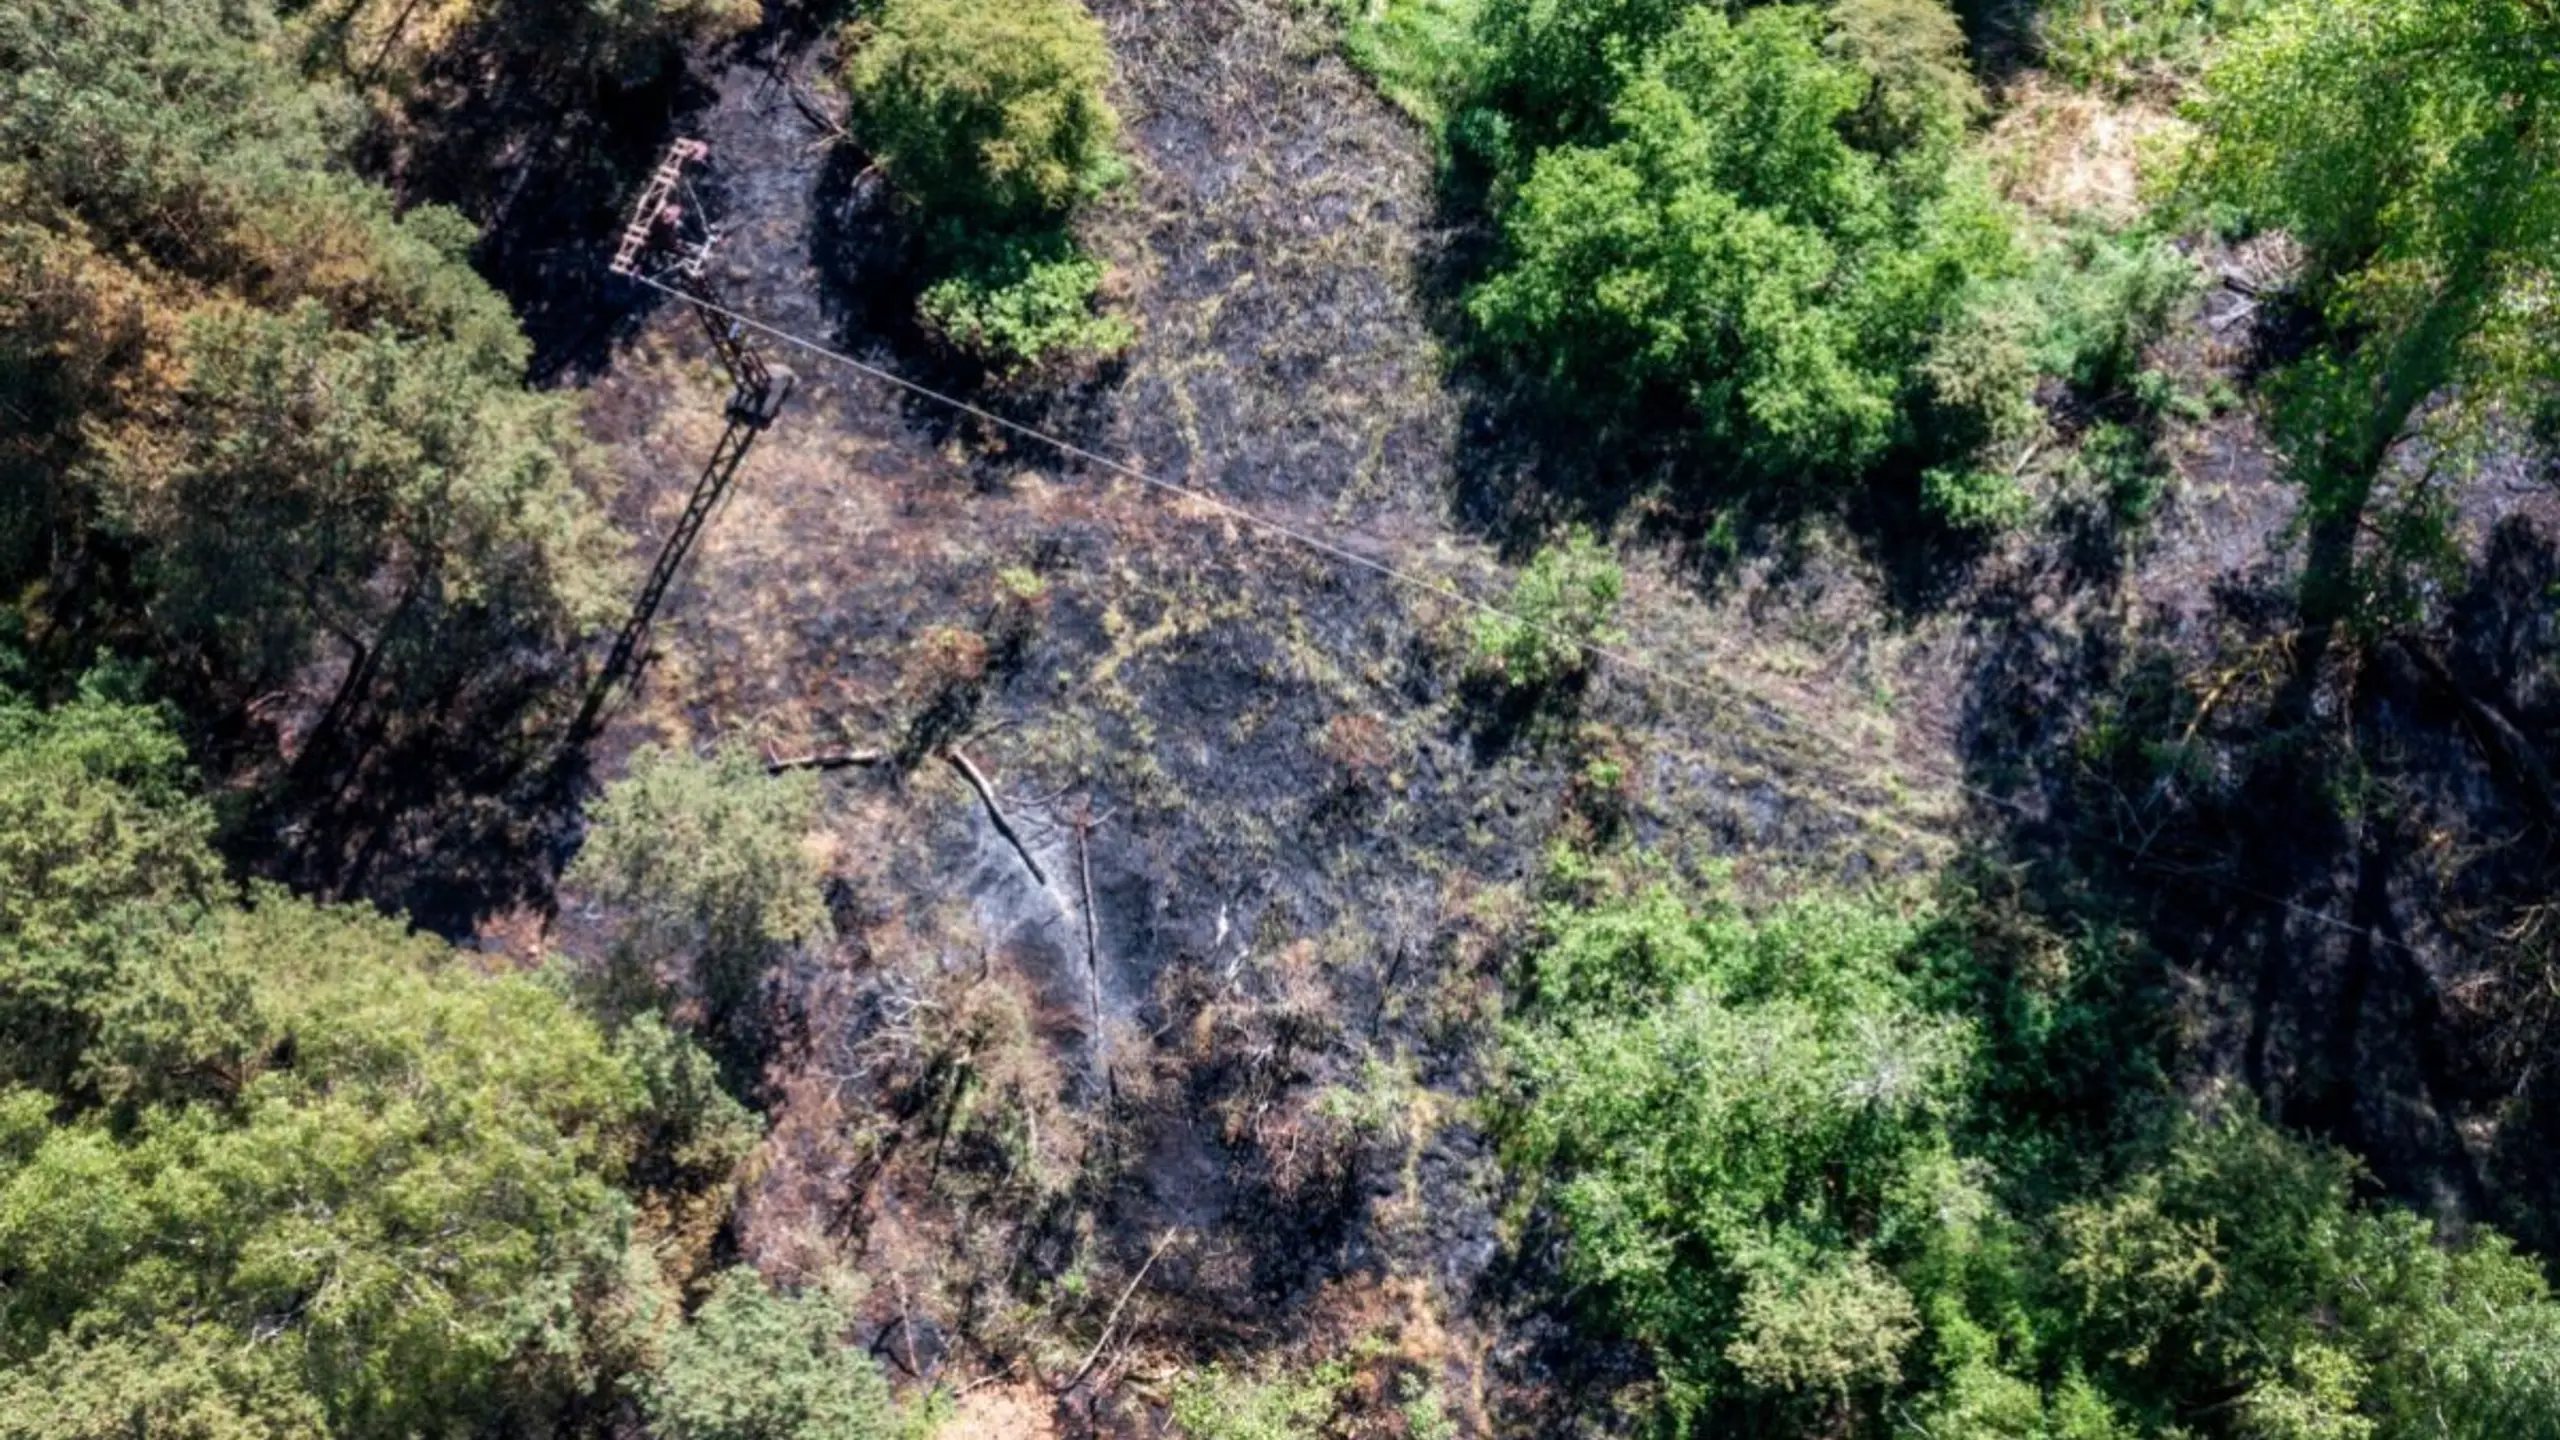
{"points": [[1444, 589], [1282, 528]]}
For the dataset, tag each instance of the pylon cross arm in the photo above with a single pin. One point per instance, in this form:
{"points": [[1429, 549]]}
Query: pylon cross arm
{"points": [[640, 232]]}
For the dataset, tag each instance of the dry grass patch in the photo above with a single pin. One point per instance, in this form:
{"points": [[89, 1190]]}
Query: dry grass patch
{"points": [[2067, 154]]}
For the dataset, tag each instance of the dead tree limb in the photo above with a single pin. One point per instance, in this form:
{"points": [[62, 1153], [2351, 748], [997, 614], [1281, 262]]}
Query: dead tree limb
{"points": [[827, 126], [2506, 747], [989, 1378], [823, 760], [1112, 1321], [995, 812], [1085, 822], [906, 1323]]}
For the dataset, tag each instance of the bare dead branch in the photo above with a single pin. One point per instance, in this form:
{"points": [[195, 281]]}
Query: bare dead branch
{"points": [[1111, 1321], [1085, 822], [995, 812], [822, 760]]}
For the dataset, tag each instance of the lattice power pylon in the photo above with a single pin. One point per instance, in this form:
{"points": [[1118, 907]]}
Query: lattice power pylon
{"points": [[664, 243]]}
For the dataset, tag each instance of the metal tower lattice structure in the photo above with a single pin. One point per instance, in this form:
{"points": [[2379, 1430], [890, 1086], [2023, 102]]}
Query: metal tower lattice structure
{"points": [[666, 244]]}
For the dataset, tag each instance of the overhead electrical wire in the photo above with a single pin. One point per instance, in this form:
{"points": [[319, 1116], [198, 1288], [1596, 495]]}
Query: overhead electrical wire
{"points": [[1438, 587]]}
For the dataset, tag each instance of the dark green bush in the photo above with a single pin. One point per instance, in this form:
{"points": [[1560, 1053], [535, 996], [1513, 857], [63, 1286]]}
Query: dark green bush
{"points": [[1022, 302], [1921, 91], [2106, 299], [2124, 465], [1747, 1123], [1976, 384], [1964, 497], [1730, 250], [1552, 66], [2124, 46], [990, 116], [754, 1365], [1805, 1158]]}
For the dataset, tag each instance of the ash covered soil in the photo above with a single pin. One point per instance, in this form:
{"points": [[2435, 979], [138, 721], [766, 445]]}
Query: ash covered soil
{"points": [[1276, 847]]}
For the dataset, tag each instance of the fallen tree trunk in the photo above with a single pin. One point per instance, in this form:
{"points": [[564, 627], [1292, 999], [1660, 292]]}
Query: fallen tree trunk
{"points": [[824, 760], [1092, 946], [995, 812]]}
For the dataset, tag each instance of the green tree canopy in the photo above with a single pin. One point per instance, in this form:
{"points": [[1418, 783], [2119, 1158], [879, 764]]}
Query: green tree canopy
{"points": [[1552, 66], [234, 372], [271, 1168], [708, 861], [96, 824], [985, 111], [401, 1175], [1729, 249], [2242, 1263], [1749, 1126], [1777, 1157], [755, 1365], [2410, 146]]}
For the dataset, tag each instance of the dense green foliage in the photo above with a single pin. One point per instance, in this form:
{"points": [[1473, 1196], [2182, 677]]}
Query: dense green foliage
{"points": [[2128, 46], [1730, 248], [95, 822], [402, 1176], [990, 116], [1750, 1125], [755, 1365], [1221, 1404], [2407, 145], [281, 413], [1764, 233], [994, 112], [1023, 301], [708, 860], [271, 1168], [1809, 1159], [1423, 54]]}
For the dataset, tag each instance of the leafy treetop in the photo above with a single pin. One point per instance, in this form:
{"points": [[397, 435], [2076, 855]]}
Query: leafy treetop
{"points": [[985, 112]]}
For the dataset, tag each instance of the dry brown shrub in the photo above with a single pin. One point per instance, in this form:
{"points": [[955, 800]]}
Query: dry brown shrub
{"points": [[2065, 153], [1357, 747], [943, 660]]}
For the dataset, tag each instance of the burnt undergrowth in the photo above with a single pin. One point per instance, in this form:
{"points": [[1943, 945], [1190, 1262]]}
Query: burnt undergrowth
{"points": [[542, 153], [1309, 839], [2341, 850]]}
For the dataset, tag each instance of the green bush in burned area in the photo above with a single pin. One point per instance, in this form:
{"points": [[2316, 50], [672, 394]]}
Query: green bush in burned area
{"points": [[1558, 610], [1017, 302], [992, 109], [993, 121]]}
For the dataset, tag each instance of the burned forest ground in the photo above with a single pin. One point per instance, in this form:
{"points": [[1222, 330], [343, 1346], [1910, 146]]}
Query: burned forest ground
{"points": [[1235, 989]]}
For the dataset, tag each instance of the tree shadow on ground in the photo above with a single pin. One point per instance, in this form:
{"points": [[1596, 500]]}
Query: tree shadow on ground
{"points": [[443, 793], [544, 157], [874, 264], [439, 784], [2344, 854], [2002, 34]]}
